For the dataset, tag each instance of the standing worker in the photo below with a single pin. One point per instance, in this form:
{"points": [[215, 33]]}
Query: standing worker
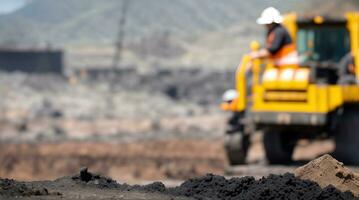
{"points": [[279, 44]]}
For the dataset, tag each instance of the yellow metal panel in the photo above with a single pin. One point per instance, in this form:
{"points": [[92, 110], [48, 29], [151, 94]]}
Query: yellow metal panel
{"points": [[285, 96], [256, 68], [336, 97], [319, 99], [321, 96], [353, 27], [261, 105], [241, 83], [290, 22], [350, 93]]}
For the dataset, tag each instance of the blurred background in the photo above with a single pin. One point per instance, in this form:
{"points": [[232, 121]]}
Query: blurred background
{"points": [[129, 88]]}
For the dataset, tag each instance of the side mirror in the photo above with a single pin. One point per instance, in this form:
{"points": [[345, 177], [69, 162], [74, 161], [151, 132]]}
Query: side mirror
{"points": [[255, 45]]}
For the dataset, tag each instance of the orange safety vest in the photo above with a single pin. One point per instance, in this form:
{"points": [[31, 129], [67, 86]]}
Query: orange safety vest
{"points": [[286, 56], [230, 106]]}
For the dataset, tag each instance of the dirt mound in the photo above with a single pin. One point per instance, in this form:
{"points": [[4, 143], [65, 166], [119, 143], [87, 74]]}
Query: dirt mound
{"points": [[86, 177], [92, 179], [215, 187], [86, 184], [285, 186], [327, 171], [12, 188]]}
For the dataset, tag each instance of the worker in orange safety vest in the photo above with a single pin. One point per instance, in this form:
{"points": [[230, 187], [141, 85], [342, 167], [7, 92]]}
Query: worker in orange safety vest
{"points": [[279, 44]]}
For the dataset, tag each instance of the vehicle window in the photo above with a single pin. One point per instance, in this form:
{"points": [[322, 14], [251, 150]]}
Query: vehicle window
{"points": [[320, 43]]}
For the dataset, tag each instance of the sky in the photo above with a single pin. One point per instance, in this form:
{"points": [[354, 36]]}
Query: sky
{"points": [[8, 6]]}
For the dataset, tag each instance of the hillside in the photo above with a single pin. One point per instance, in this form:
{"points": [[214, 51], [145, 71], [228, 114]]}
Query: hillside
{"points": [[158, 32], [330, 7], [94, 21]]}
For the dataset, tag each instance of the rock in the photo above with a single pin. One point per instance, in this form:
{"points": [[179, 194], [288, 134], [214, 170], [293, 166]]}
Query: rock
{"points": [[85, 175]]}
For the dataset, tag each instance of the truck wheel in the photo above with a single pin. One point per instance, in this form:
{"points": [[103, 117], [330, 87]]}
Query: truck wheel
{"points": [[347, 137], [278, 147], [236, 146]]}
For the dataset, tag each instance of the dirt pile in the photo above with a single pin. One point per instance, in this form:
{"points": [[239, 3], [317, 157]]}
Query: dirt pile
{"points": [[285, 186], [12, 188], [215, 187], [86, 177], [327, 171], [86, 184]]}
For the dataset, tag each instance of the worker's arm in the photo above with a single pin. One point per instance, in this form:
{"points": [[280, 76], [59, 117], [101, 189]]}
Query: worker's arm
{"points": [[274, 44], [263, 53]]}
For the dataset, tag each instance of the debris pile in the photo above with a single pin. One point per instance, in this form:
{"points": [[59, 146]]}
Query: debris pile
{"points": [[218, 187], [12, 188], [86, 177], [89, 179], [327, 171], [285, 186]]}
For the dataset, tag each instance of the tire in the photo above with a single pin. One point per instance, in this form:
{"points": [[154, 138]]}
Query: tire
{"points": [[278, 147], [347, 137], [236, 146]]}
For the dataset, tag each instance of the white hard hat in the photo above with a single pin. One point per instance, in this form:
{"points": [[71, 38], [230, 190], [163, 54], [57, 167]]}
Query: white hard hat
{"points": [[230, 95], [270, 15]]}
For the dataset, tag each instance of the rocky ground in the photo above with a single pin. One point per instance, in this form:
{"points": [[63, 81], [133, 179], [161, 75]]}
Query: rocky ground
{"points": [[159, 104]]}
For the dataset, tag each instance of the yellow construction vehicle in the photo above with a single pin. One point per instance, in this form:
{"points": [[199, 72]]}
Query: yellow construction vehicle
{"points": [[314, 100]]}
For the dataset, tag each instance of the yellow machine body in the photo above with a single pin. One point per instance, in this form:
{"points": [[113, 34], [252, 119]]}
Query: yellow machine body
{"points": [[287, 91], [318, 99]]}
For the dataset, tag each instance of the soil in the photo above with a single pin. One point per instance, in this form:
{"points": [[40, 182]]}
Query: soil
{"points": [[87, 185], [328, 171], [84, 185], [12, 188], [285, 186]]}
